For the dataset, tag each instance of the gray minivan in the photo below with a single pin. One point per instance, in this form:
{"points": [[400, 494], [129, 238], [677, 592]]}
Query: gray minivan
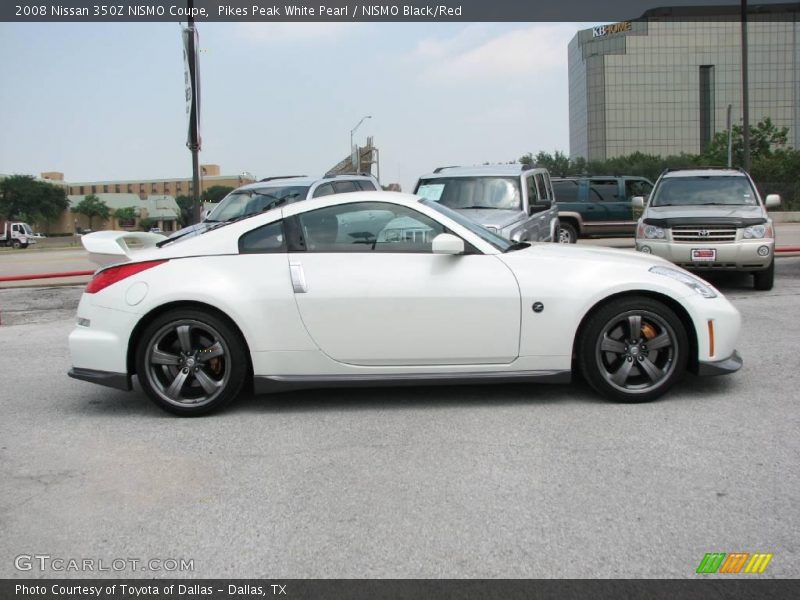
{"points": [[514, 201]]}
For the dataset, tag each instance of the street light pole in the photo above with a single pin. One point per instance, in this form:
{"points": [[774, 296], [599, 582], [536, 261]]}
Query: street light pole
{"points": [[194, 142], [358, 154], [745, 93]]}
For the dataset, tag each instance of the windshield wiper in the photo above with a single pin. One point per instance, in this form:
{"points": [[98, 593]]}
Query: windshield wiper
{"points": [[517, 246], [477, 207]]}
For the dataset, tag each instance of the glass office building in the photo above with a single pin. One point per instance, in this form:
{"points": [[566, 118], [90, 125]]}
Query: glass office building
{"points": [[662, 84]]}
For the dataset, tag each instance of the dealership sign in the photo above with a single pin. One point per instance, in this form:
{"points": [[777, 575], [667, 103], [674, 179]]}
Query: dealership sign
{"points": [[604, 30]]}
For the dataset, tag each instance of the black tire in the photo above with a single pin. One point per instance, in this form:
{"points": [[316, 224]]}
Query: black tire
{"points": [[567, 234], [633, 372], [191, 362], [764, 280], [16, 244]]}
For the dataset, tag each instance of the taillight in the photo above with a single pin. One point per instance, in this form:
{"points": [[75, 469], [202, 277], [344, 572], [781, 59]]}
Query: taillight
{"points": [[112, 275]]}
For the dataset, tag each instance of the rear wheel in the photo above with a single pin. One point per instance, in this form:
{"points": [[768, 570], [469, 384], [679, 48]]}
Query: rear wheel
{"points": [[190, 362], [567, 234], [764, 280], [633, 350]]}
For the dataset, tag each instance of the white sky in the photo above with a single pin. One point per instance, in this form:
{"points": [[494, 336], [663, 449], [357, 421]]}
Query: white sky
{"points": [[106, 101]]}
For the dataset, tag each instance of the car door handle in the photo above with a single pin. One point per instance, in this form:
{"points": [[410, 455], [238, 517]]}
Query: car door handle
{"points": [[298, 277]]}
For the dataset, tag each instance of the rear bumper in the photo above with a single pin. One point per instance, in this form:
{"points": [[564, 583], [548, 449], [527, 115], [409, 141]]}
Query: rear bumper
{"points": [[720, 367], [120, 381]]}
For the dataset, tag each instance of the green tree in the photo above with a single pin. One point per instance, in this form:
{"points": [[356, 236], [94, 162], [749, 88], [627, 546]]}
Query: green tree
{"points": [[146, 224], [765, 138], [216, 193], [125, 214], [24, 198], [91, 206], [185, 204]]}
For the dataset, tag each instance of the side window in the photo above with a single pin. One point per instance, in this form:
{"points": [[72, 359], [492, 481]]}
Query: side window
{"points": [[637, 187], [342, 187], [326, 189], [366, 186], [265, 239], [368, 227], [566, 190], [604, 190], [537, 193]]}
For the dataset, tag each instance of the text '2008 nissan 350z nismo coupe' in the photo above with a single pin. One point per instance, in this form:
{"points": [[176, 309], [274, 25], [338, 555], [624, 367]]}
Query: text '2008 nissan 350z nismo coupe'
{"points": [[384, 288]]}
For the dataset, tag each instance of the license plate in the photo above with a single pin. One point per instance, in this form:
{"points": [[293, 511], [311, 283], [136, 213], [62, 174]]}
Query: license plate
{"points": [[704, 255]]}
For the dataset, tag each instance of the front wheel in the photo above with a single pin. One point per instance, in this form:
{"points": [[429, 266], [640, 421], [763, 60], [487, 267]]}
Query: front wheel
{"points": [[567, 234], [764, 280], [191, 362], [633, 350]]}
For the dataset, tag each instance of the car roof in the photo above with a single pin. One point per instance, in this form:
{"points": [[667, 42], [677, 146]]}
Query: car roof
{"points": [[482, 171], [704, 173], [303, 180]]}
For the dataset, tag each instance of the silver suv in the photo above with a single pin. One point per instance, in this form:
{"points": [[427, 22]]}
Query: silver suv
{"points": [[710, 219], [276, 191], [514, 201]]}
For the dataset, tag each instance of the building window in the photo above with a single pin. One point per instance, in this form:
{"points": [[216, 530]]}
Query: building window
{"points": [[130, 188], [81, 190], [94, 189], [105, 189], [117, 188], [706, 106]]}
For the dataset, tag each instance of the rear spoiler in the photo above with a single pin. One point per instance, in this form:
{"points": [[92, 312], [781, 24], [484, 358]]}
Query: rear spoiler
{"points": [[109, 247]]}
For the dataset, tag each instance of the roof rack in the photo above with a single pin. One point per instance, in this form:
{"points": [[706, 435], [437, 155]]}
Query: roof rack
{"points": [[331, 175], [703, 168], [281, 177]]}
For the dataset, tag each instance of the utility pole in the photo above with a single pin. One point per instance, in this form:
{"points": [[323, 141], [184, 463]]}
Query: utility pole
{"points": [[745, 93], [194, 140]]}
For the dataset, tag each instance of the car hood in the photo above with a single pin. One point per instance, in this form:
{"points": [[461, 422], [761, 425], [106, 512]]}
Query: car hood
{"points": [[498, 218], [703, 212], [606, 256]]}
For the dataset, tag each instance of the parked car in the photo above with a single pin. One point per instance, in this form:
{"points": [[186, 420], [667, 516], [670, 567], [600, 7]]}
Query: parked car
{"points": [[599, 205], [710, 219], [156, 230], [385, 288], [514, 201], [276, 191]]}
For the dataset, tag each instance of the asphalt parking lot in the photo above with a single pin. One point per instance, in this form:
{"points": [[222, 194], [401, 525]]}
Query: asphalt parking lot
{"points": [[499, 481]]}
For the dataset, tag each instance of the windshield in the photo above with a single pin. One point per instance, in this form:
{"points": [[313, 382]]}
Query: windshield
{"points": [[461, 193], [495, 240], [704, 190], [251, 202], [27, 229]]}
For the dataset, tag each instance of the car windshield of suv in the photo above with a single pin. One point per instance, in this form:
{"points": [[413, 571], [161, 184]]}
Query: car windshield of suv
{"points": [[704, 191], [460, 193], [495, 240], [251, 202]]}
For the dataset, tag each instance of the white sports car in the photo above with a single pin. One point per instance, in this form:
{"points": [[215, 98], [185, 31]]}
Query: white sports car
{"points": [[376, 288]]}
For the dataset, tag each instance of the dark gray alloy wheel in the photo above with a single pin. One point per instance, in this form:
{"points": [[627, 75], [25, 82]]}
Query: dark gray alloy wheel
{"points": [[634, 349], [567, 234], [191, 362]]}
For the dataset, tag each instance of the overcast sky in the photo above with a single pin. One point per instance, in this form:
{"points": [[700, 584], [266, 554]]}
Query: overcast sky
{"points": [[106, 101]]}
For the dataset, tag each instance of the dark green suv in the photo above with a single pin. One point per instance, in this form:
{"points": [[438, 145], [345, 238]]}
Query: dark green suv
{"points": [[597, 205]]}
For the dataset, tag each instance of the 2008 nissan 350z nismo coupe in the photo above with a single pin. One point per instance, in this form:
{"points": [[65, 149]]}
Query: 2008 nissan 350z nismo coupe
{"points": [[383, 288]]}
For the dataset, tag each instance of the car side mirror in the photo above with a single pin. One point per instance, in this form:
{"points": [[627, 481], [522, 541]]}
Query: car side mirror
{"points": [[637, 202], [204, 214], [447, 243], [772, 201]]}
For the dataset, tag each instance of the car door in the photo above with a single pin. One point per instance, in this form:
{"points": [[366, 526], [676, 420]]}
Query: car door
{"points": [[607, 210], [383, 298]]}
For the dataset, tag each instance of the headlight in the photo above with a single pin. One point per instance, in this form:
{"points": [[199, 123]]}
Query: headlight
{"points": [[698, 285], [651, 232], [757, 232]]}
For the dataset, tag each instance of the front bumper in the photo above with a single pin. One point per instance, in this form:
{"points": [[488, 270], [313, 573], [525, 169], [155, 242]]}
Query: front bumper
{"points": [[740, 255], [720, 367]]}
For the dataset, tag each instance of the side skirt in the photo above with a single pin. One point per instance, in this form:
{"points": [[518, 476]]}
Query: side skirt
{"points": [[269, 384]]}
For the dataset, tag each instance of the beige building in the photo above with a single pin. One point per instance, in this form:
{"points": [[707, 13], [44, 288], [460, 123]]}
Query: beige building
{"points": [[161, 210], [177, 186]]}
